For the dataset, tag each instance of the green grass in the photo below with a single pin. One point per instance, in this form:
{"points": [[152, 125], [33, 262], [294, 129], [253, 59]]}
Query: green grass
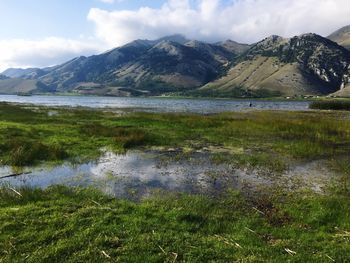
{"points": [[75, 225], [29, 135], [81, 225], [331, 105]]}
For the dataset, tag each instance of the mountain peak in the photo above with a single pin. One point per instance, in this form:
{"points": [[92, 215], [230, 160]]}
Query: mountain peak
{"points": [[18, 72], [233, 46], [345, 29], [230, 42], [312, 37], [195, 43], [170, 47], [139, 43], [178, 38], [341, 36], [309, 34], [273, 39], [270, 44]]}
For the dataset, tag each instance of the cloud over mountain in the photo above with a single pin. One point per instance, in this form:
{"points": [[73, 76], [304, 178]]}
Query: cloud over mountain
{"points": [[208, 20], [43, 52], [241, 20]]}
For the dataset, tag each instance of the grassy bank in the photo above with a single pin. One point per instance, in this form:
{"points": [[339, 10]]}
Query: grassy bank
{"points": [[343, 105], [65, 225], [31, 135]]}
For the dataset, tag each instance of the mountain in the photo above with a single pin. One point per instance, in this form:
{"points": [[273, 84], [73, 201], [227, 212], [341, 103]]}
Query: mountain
{"points": [[342, 37], [29, 72], [177, 38], [16, 72], [303, 65], [169, 64], [234, 47], [17, 85], [93, 69]]}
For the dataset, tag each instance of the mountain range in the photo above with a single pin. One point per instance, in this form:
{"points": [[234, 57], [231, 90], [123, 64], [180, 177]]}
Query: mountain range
{"points": [[308, 64]]}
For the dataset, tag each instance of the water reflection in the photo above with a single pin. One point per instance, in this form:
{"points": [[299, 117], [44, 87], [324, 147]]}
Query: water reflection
{"points": [[138, 174]]}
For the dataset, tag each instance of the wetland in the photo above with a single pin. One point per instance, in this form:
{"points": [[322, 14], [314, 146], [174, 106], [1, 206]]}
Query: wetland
{"points": [[249, 185]]}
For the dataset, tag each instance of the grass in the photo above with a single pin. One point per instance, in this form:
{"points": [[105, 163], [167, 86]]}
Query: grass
{"points": [[331, 105], [29, 136], [76, 225], [59, 224]]}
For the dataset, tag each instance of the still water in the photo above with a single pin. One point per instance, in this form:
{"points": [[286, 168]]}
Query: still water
{"points": [[137, 174], [132, 175], [204, 106]]}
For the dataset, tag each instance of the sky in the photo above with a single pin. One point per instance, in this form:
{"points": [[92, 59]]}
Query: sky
{"points": [[40, 33]]}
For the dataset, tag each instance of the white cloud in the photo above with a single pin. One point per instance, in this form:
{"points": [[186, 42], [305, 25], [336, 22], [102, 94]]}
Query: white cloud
{"points": [[211, 20], [241, 20], [45, 52]]}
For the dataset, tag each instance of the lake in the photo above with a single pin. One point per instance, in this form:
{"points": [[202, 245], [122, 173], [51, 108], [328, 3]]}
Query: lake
{"points": [[203, 106]]}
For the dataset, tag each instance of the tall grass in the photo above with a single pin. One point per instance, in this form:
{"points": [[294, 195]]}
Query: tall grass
{"points": [[331, 105], [21, 152]]}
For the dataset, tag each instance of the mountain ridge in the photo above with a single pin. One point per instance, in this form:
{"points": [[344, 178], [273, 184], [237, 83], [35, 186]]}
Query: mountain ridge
{"points": [[341, 36], [308, 64], [301, 65], [172, 63]]}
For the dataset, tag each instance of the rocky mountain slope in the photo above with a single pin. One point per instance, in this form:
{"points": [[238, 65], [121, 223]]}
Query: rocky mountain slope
{"points": [[342, 37], [302, 65]]}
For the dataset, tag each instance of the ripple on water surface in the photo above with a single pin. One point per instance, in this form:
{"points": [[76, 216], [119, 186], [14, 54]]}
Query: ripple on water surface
{"points": [[204, 106]]}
